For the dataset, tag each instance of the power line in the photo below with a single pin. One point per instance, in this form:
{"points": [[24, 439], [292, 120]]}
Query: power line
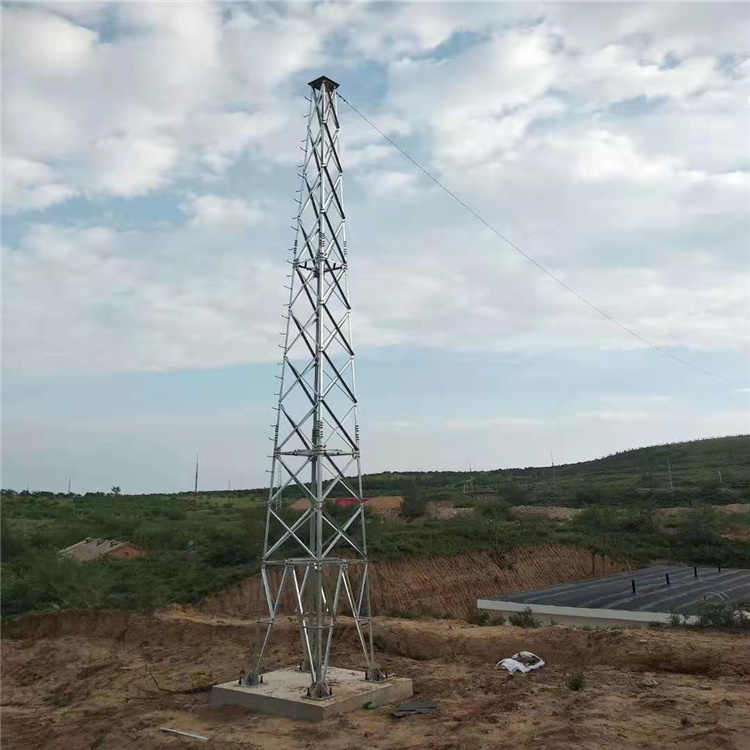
{"points": [[542, 268]]}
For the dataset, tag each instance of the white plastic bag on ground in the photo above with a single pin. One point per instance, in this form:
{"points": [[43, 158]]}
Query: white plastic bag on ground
{"points": [[523, 661]]}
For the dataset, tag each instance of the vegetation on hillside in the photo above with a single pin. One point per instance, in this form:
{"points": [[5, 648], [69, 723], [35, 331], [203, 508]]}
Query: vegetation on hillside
{"points": [[198, 544], [715, 470], [195, 547]]}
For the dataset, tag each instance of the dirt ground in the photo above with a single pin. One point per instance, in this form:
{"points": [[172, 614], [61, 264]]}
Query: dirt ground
{"points": [[553, 512], [111, 680]]}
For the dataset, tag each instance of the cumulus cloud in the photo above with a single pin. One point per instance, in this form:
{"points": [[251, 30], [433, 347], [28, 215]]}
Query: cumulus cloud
{"points": [[216, 212], [29, 184], [168, 90], [580, 134], [608, 140], [486, 298], [391, 184], [92, 299], [615, 120]]}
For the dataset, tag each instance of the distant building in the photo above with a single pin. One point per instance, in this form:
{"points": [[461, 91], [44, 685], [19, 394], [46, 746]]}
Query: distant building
{"points": [[98, 549]]}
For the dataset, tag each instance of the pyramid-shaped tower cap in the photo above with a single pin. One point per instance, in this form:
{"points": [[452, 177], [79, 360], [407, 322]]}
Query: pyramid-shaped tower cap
{"points": [[318, 82]]}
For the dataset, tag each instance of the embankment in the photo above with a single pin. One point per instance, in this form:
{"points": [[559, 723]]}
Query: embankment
{"points": [[441, 586]]}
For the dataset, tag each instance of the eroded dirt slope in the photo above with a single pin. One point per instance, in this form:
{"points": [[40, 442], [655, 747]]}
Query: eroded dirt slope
{"points": [[444, 586]]}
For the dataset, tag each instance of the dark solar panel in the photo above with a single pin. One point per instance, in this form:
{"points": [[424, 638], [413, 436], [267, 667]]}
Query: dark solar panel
{"points": [[652, 594]]}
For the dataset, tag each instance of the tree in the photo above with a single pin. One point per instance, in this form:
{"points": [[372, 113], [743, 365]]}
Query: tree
{"points": [[414, 504], [515, 494], [115, 490], [702, 524]]}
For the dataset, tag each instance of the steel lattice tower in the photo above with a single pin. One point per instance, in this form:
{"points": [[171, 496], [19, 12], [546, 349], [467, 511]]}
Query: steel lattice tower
{"points": [[316, 438]]}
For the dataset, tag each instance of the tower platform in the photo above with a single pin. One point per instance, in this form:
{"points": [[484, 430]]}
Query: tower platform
{"points": [[283, 692]]}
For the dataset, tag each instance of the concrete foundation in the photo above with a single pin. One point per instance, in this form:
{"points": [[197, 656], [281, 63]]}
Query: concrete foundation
{"points": [[284, 693]]}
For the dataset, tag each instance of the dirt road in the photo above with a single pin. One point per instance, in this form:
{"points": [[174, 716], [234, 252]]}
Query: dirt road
{"points": [[110, 681]]}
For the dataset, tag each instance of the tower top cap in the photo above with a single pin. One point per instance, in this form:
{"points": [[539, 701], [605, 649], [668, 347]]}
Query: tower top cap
{"points": [[318, 83]]}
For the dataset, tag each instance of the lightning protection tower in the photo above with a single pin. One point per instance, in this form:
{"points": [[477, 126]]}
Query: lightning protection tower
{"points": [[321, 556]]}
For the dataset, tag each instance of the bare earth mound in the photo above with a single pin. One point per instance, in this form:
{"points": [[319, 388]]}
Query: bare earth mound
{"points": [[552, 512], [111, 680]]}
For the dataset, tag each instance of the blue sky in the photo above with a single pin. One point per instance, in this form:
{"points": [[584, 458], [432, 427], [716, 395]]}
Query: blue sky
{"points": [[149, 178]]}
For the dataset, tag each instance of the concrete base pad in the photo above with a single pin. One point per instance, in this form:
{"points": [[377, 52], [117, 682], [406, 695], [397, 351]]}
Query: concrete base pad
{"points": [[284, 693]]}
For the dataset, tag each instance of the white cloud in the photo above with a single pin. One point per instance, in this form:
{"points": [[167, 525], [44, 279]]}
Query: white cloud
{"points": [[609, 157], [208, 294], [176, 89], [83, 11], [486, 80], [609, 140], [127, 166], [31, 185], [486, 298], [516, 117], [216, 213], [391, 184], [95, 300], [519, 117], [618, 72], [506, 424]]}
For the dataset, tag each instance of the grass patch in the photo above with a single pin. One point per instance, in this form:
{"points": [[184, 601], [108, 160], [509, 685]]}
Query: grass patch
{"points": [[576, 681]]}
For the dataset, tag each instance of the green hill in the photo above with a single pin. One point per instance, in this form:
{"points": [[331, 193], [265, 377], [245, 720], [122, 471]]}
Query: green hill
{"points": [[723, 460], [202, 543], [717, 469]]}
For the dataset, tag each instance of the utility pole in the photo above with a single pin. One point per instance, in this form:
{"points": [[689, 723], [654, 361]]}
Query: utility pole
{"points": [[721, 481], [554, 478], [669, 472], [316, 435], [68, 485], [196, 474]]}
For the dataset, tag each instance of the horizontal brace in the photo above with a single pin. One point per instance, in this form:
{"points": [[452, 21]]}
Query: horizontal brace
{"points": [[339, 561]]}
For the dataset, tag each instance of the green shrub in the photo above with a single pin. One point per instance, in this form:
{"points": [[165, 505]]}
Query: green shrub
{"points": [[524, 619], [724, 615], [480, 617], [415, 504], [13, 543], [702, 524], [576, 681]]}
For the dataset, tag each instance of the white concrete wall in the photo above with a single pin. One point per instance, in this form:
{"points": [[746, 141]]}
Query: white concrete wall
{"points": [[549, 614]]}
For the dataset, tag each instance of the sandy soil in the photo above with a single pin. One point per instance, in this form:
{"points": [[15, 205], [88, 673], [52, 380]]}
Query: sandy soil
{"points": [[110, 681]]}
